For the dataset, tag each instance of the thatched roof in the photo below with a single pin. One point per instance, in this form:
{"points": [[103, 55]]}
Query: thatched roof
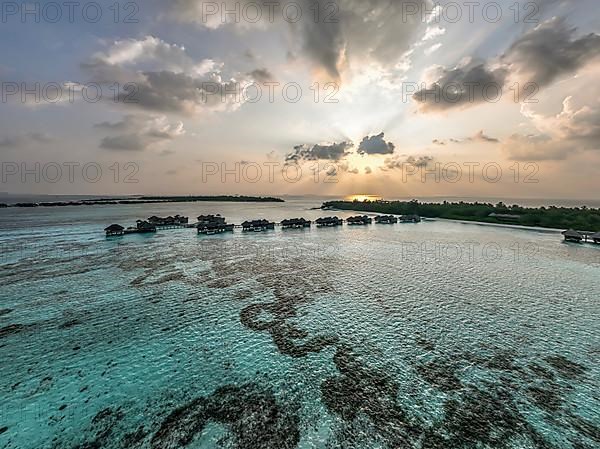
{"points": [[572, 233], [114, 227], [595, 236]]}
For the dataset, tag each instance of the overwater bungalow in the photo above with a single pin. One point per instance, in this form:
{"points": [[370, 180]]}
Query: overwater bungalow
{"points": [[386, 219], [144, 227], [213, 224], [177, 220], [360, 220], [114, 229], [410, 219], [296, 223], [329, 222], [206, 219], [572, 236], [257, 225], [596, 238]]}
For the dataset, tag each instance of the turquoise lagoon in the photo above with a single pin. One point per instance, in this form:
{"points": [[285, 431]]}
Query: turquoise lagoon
{"points": [[434, 335]]}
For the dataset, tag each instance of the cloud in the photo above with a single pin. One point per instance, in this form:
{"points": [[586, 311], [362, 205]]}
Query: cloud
{"points": [[346, 32], [541, 56], [375, 145], [398, 162], [573, 130], [261, 75], [368, 170], [136, 133], [13, 141], [161, 77], [550, 51], [480, 137], [469, 83], [432, 49], [20, 140], [331, 152]]}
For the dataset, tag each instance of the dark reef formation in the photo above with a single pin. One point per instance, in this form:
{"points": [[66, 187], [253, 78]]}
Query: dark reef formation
{"points": [[252, 415]]}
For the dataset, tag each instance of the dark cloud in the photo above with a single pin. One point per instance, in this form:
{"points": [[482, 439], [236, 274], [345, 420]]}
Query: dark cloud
{"points": [[375, 145], [158, 76], [333, 152], [139, 133], [478, 137], [481, 137], [127, 142], [463, 86], [345, 31], [261, 75], [551, 51], [8, 142], [542, 55], [23, 139]]}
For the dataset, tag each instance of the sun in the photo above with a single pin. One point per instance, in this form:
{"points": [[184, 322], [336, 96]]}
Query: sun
{"points": [[361, 197]]}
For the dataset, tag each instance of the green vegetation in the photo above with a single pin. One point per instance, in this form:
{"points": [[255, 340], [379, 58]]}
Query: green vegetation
{"points": [[154, 199], [582, 219]]}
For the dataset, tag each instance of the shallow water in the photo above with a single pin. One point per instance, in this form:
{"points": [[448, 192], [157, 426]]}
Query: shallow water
{"points": [[434, 335]]}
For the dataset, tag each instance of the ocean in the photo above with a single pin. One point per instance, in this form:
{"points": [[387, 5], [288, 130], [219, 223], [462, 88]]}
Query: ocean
{"points": [[431, 335]]}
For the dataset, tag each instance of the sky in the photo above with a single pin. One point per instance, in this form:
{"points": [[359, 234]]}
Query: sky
{"points": [[396, 98]]}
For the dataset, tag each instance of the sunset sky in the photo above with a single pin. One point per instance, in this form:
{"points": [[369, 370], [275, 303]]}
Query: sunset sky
{"points": [[180, 98]]}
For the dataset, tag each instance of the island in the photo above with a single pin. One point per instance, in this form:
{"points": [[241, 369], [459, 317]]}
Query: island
{"points": [[554, 217], [153, 199]]}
